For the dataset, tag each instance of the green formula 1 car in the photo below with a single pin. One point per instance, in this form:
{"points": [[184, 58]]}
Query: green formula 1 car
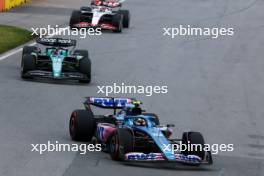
{"points": [[56, 58]]}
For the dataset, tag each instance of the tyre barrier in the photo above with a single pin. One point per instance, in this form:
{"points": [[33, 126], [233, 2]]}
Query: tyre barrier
{"points": [[8, 4]]}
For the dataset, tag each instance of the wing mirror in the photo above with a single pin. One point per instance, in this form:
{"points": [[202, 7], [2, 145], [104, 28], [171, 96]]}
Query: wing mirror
{"points": [[170, 125]]}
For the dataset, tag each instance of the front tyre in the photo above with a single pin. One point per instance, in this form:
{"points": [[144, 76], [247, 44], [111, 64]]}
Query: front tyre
{"points": [[117, 22], [126, 17], [85, 65], [121, 142], [189, 138], [28, 63]]}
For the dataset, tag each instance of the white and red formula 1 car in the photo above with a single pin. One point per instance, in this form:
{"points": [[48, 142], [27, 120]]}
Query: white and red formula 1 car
{"points": [[104, 14]]}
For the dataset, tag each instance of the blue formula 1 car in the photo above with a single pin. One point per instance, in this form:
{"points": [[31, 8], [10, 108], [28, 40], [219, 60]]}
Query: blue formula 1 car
{"points": [[134, 135], [56, 58]]}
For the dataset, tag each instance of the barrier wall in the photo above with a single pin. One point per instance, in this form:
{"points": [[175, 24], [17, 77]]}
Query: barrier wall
{"points": [[2, 5], [8, 4]]}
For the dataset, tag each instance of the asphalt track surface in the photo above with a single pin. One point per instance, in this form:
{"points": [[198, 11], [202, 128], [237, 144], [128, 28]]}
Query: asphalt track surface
{"points": [[216, 86]]}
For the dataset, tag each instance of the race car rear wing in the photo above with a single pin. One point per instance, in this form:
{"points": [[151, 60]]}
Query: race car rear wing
{"points": [[114, 4], [56, 42], [108, 102]]}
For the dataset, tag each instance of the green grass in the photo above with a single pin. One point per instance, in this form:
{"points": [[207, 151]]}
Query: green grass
{"points": [[11, 37]]}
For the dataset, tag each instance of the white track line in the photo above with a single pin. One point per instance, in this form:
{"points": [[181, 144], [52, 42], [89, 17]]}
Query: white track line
{"points": [[17, 50], [10, 53]]}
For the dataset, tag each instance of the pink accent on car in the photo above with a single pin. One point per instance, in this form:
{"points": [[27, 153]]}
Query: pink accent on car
{"points": [[107, 26], [83, 24], [103, 25], [108, 130]]}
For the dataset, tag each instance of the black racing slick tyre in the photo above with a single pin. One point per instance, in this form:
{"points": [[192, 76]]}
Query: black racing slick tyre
{"points": [[194, 138], [82, 125], [117, 22], [29, 50], [85, 65], [28, 63], [83, 53], [75, 18], [121, 142], [86, 9], [126, 17]]}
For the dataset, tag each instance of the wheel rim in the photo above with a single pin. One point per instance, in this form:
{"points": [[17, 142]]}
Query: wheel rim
{"points": [[114, 145]]}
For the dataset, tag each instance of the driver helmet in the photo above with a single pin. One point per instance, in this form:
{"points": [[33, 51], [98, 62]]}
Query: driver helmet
{"points": [[56, 51], [97, 2], [140, 122]]}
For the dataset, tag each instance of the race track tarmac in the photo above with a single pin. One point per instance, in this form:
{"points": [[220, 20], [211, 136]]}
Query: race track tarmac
{"points": [[215, 86]]}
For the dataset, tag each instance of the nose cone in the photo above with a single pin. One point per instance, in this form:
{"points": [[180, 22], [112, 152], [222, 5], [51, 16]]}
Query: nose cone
{"points": [[56, 74], [57, 66]]}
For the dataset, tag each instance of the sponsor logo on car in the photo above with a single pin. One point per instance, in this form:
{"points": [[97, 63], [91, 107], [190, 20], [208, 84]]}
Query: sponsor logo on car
{"points": [[110, 102], [159, 157], [188, 158], [142, 156]]}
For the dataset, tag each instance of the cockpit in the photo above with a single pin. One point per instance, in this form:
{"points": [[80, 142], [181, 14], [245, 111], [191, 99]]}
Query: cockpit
{"points": [[56, 52]]}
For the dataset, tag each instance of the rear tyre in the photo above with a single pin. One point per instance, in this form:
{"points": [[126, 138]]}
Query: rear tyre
{"points": [[117, 21], [194, 138], [126, 17], [83, 53], [28, 63], [86, 9], [85, 65], [82, 125], [75, 18], [29, 49], [121, 142]]}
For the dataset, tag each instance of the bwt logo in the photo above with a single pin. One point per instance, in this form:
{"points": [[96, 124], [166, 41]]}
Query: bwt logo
{"points": [[109, 102], [189, 158], [150, 156]]}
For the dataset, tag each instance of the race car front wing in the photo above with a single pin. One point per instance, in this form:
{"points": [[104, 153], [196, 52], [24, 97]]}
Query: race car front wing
{"points": [[64, 75], [105, 26], [159, 157]]}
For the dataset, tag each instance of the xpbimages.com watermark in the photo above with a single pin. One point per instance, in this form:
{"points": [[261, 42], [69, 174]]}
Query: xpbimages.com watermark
{"points": [[49, 31], [188, 30], [214, 148], [131, 89], [59, 147]]}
